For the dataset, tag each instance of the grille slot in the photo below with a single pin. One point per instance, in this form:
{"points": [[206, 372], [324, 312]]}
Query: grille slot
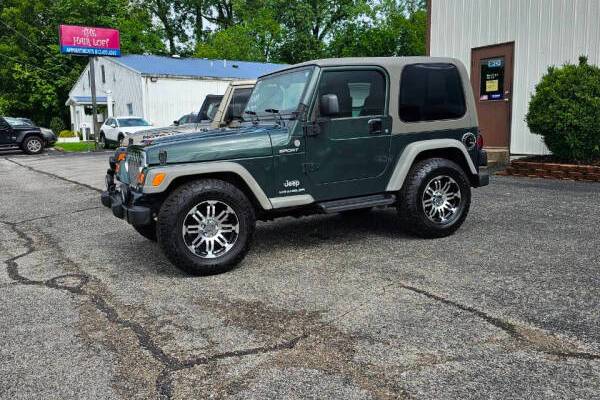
{"points": [[135, 163]]}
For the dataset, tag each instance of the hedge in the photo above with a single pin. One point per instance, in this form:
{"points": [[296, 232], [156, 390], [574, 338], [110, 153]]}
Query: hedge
{"points": [[565, 110]]}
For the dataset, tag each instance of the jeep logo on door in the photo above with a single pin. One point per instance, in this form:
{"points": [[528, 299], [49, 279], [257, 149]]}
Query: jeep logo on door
{"points": [[288, 184]]}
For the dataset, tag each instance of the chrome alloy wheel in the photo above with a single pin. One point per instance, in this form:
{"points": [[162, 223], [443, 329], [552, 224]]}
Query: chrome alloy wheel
{"points": [[210, 229], [441, 199], [34, 145]]}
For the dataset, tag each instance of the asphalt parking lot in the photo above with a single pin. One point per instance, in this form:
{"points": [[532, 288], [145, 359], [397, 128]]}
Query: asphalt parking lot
{"points": [[322, 307]]}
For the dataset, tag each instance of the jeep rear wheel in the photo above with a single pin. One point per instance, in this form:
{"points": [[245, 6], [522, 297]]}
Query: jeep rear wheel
{"points": [[33, 145], [435, 198], [206, 226]]}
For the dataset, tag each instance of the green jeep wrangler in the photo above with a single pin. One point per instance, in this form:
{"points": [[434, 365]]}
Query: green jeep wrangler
{"points": [[325, 136]]}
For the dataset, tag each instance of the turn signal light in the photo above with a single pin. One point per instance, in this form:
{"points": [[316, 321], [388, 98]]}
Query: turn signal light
{"points": [[121, 157], [158, 179], [141, 178]]}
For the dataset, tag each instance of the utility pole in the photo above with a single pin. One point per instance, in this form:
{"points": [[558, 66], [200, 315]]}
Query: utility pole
{"points": [[94, 104]]}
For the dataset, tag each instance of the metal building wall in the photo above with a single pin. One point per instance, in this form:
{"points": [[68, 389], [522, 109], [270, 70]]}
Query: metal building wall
{"points": [[545, 32], [167, 99]]}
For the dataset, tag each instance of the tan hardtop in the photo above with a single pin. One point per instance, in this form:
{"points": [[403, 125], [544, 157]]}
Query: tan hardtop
{"points": [[388, 63], [394, 67]]}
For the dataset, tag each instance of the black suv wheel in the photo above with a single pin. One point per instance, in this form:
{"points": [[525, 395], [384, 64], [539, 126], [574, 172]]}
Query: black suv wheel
{"points": [[33, 145], [206, 226], [435, 198]]}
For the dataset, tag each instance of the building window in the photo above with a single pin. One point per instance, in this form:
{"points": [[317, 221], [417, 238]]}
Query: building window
{"points": [[103, 74], [492, 79], [431, 92], [130, 108]]}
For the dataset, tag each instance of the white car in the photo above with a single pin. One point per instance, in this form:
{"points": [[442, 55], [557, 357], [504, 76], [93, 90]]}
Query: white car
{"points": [[115, 130]]}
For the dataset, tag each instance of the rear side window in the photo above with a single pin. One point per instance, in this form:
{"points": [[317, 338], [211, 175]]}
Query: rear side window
{"points": [[431, 92], [3, 124]]}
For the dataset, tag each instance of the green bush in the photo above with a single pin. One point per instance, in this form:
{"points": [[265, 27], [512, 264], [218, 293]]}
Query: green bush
{"points": [[56, 124], [67, 134], [565, 110]]}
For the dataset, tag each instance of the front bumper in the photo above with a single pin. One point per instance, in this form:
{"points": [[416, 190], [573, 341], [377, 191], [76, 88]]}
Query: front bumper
{"points": [[121, 201]]}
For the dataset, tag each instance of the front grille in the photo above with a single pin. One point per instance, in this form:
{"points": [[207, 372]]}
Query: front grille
{"points": [[135, 163]]}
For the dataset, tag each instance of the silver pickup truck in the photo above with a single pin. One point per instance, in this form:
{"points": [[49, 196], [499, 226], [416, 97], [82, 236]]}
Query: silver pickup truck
{"points": [[216, 112]]}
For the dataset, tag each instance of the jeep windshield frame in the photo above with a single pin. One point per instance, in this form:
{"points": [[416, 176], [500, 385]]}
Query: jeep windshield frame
{"points": [[279, 95]]}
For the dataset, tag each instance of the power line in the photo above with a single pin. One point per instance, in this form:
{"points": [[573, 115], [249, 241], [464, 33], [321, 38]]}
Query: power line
{"points": [[17, 61], [53, 56]]}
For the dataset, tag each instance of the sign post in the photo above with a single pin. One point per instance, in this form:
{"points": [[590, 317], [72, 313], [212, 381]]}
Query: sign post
{"points": [[90, 42], [94, 104]]}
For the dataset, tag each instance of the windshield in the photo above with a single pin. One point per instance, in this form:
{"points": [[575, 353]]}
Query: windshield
{"points": [[26, 121], [278, 94], [14, 121], [209, 107], [133, 122]]}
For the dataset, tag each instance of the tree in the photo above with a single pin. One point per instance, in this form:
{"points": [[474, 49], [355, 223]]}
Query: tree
{"points": [[390, 28], [251, 39], [36, 79]]}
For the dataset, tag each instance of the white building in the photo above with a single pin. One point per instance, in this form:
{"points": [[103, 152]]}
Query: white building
{"points": [[508, 45], [159, 89]]}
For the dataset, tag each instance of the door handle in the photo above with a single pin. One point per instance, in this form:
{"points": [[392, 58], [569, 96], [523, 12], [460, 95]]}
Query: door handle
{"points": [[375, 126]]}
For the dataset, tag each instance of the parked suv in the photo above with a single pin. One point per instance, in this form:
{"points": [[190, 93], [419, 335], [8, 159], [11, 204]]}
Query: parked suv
{"points": [[15, 133], [326, 136], [114, 130], [48, 134]]}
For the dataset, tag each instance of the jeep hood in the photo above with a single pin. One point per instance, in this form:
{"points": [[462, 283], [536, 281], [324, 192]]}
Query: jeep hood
{"points": [[134, 129], [220, 144], [167, 131]]}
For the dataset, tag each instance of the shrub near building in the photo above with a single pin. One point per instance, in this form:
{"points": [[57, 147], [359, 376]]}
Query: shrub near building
{"points": [[565, 110]]}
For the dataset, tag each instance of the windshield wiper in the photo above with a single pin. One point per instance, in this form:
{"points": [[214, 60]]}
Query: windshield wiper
{"points": [[254, 115], [277, 114]]}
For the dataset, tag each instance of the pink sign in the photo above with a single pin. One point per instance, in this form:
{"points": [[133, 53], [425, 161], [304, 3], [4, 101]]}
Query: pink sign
{"points": [[89, 41]]}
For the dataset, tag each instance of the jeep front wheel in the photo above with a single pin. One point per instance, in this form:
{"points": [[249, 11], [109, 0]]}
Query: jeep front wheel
{"points": [[206, 226], [435, 198], [147, 231]]}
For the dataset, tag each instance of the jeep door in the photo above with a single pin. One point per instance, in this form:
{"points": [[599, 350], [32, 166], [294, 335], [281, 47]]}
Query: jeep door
{"points": [[6, 133], [348, 152]]}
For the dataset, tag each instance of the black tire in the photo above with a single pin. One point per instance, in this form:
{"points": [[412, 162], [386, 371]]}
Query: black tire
{"points": [[33, 145], [103, 143], [174, 212], [411, 210], [147, 231]]}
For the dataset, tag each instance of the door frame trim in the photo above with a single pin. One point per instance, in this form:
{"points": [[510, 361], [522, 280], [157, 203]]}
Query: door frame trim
{"points": [[512, 45]]}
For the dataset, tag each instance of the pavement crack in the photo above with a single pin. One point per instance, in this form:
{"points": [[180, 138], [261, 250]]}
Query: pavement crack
{"points": [[76, 284], [57, 215], [514, 331], [62, 178]]}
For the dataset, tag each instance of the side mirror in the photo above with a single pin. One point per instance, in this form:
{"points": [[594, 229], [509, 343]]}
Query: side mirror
{"points": [[176, 123], [113, 125], [329, 105]]}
